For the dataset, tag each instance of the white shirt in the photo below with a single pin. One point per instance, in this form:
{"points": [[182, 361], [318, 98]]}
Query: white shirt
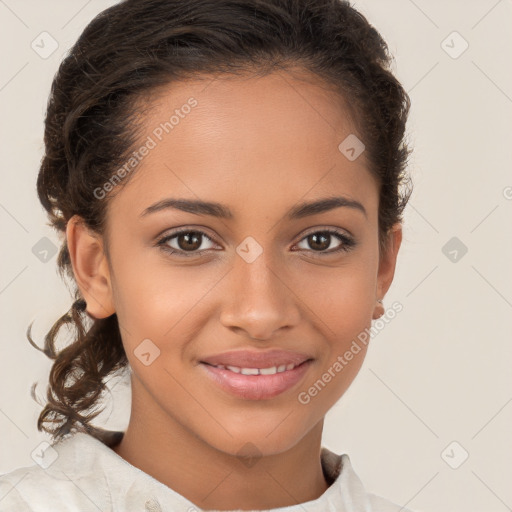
{"points": [[80, 473]]}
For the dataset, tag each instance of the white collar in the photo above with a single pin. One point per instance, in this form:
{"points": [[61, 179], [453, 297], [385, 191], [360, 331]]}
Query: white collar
{"points": [[101, 473]]}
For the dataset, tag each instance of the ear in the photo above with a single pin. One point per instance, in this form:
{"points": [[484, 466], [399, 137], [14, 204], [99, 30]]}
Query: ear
{"points": [[387, 260], [90, 267]]}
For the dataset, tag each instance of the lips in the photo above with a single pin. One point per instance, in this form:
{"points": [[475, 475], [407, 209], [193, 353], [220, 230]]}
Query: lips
{"points": [[256, 359], [258, 386]]}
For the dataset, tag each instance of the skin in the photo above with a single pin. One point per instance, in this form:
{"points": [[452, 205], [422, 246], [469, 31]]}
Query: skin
{"points": [[259, 145]]}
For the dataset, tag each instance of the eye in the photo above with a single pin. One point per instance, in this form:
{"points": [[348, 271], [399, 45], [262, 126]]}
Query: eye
{"points": [[188, 242], [320, 241], [185, 241]]}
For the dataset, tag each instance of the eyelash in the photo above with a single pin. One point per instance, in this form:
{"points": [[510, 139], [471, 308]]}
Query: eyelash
{"points": [[347, 242]]}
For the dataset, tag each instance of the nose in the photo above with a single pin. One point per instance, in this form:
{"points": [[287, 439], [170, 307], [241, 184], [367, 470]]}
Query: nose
{"points": [[260, 299]]}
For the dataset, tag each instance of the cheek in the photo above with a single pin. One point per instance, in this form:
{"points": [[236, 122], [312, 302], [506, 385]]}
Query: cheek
{"points": [[341, 302], [156, 300], [341, 297]]}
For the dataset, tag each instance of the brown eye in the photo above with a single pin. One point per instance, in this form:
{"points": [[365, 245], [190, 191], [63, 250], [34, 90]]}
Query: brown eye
{"points": [[321, 241], [189, 241], [183, 242]]}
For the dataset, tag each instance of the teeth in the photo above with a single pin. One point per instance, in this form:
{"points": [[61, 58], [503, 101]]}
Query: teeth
{"points": [[259, 371], [268, 371], [249, 371]]}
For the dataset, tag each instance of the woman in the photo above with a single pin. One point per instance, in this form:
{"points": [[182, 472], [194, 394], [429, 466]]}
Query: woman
{"points": [[229, 178]]}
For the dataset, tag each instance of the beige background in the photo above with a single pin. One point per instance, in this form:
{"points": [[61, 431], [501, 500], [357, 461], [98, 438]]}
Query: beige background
{"points": [[441, 370]]}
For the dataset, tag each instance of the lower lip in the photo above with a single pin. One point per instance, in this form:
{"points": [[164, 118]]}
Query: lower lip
{"points": [[256, 387]]}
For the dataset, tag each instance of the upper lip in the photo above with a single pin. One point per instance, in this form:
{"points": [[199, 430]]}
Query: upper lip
{"points": [[256, 359]]}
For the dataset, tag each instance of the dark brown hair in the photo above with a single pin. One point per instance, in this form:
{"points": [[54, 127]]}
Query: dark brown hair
{"points": [[125, 54]]}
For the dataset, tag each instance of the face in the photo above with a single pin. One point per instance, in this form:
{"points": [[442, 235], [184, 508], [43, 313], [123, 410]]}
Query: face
{"points": [[189, 284]]}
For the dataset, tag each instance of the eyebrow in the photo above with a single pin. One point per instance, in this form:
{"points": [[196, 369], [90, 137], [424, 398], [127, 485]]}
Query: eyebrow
{"points": [[221, 211]]}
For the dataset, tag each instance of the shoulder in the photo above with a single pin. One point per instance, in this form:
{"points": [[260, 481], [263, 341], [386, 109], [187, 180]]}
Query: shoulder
{"points": [[349, 489], [10, 497], [61, 480], [27, 489]]}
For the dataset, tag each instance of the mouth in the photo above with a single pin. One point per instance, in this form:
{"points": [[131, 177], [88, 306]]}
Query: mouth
{"points": [[271, 370], [256, 383]]}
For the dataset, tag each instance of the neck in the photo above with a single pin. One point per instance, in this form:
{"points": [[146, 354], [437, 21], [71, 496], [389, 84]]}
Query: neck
{"points": [[213, 479]]}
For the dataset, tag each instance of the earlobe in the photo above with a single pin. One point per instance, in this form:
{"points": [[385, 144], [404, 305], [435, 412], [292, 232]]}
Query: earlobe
{"points": [[378, 310], [388, 259], [90, 268]]}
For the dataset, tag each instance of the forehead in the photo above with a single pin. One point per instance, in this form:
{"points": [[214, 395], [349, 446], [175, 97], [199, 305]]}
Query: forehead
{"points": [[256, 140], [230, 109]]}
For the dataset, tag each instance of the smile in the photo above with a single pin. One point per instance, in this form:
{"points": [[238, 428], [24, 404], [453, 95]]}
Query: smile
{"points": [[256, 383], [258, 371]]}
